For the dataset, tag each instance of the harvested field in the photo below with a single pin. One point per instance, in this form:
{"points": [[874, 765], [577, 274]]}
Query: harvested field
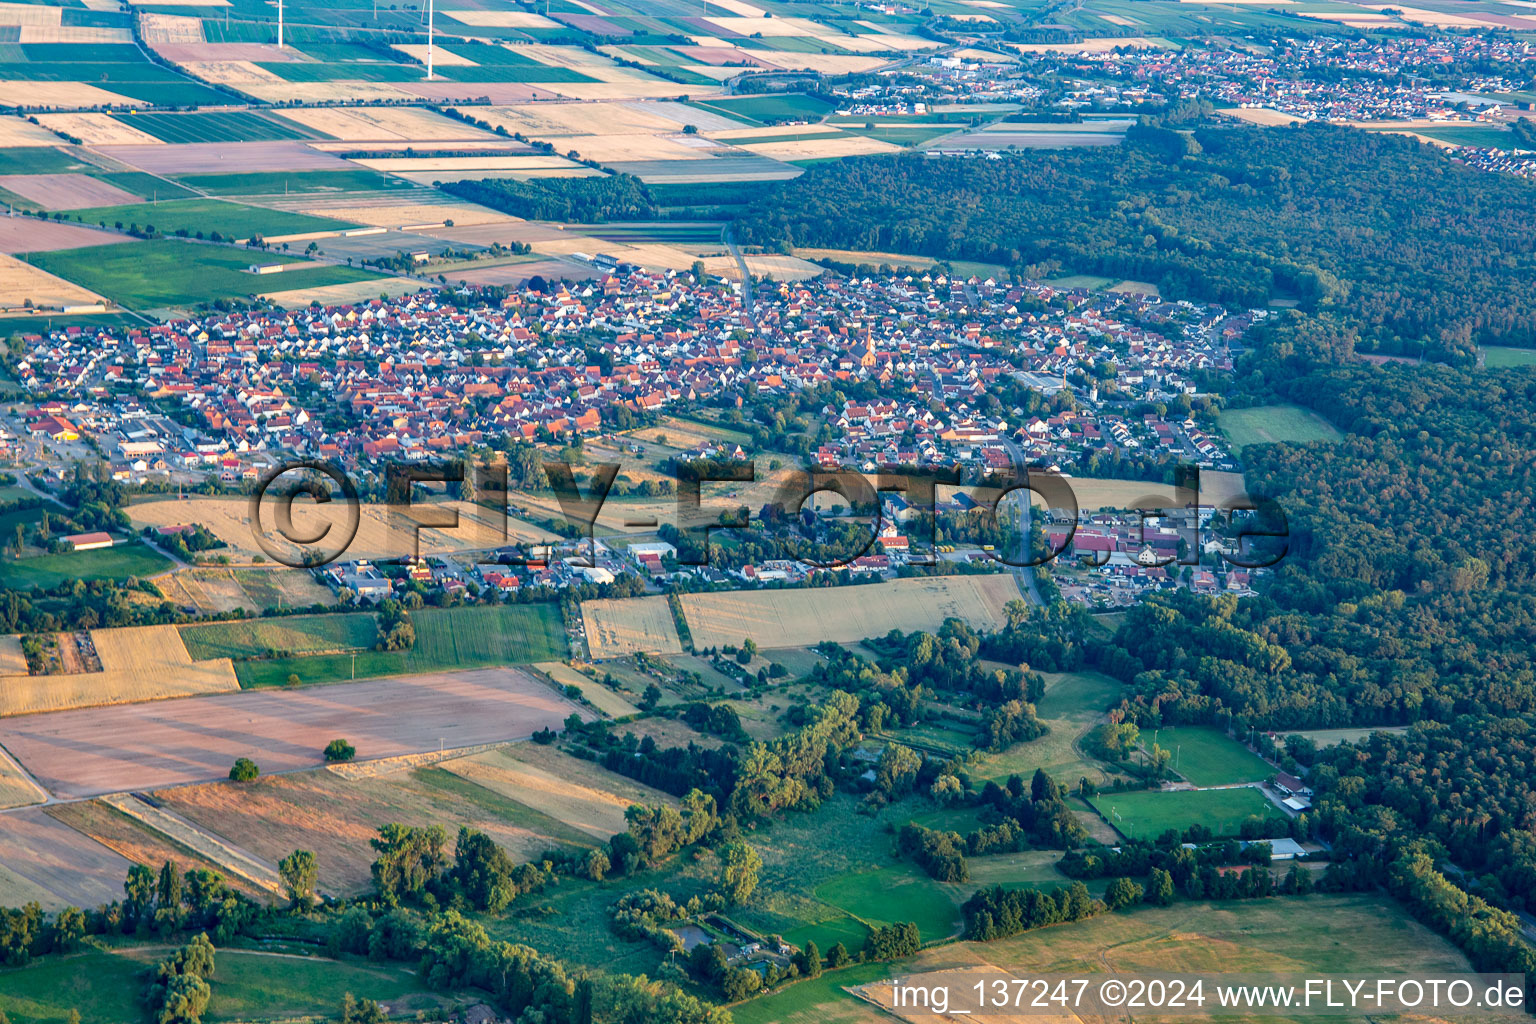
{"points": [[66, 191], [377, 124], [170, 28], [228, 519], [237, 73], [622, 626], [797, 618], [12, 661], [30, 14], [324, 92], [60, 866], [467, 165], [336, 816], [596, 694], [626, 88], [343, 294], [19, 234], [139, 663], [20, 282], [782, 268], [18, 133], [98, 129], [501, 19], [224, 590], [496, 92], [89, 752], [576, 792], [86, 34], [204, 55], [137, 842], [540, 120], [386, 215], [441, 58], [1260, 115], [58, 94], [213, 157]]}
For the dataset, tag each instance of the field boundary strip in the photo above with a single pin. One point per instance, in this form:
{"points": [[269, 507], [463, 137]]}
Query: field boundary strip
{"points": [[176, 828]]}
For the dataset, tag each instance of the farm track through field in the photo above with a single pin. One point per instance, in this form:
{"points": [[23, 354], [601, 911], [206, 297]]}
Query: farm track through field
{"points": [[220, 851]]}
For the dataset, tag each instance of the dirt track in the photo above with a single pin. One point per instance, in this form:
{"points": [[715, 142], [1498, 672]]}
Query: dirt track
{"points": [[92, 751]]}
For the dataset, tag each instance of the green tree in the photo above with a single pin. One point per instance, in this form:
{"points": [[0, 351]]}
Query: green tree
{"points": [[810, 960], [299, 874], [339, 750], [1160, 888], [838, 956], [738, 872], [1122, 892], [244, 770]]}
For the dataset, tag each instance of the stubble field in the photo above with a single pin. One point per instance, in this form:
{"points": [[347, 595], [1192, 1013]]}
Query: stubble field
{"points": [[623, 626]]}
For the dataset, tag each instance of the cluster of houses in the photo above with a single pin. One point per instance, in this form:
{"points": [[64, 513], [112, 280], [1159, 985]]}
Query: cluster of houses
{"points": [[1114, 558], [416, 377]]}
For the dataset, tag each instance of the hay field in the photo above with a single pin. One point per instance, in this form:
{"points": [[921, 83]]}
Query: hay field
{"points": [[407, 124], [90, 751], [98, 130], [336, 816], [377, 537], [139, 663], [797, 618], [66, 191], [623, 626], [16, 790], [21, 281], [598, 695], [18, 133], [501, 19], [576, 792], [58, 94]]}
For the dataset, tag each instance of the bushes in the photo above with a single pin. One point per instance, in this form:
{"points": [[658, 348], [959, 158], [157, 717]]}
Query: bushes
{"points": [[941, 854], [179, 992], [997, 913], [244, 770], [338, 751]]}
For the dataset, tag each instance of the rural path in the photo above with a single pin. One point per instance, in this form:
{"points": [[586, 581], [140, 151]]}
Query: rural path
{"points": [[749, 297]]}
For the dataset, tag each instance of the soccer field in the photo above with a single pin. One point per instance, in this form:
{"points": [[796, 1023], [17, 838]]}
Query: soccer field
{"points": [[1146, 815], [1208, 757]]}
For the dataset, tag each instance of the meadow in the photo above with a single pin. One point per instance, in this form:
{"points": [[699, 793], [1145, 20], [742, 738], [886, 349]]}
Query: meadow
{"points": [[1208, 757], [118, 562], [1145, 814], [1268, 424], [106, 984], [299, 634], [446, 638], [170, 272], [207, 216]]}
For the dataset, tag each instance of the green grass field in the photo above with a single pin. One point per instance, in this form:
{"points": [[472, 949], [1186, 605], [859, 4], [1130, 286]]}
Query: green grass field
{"points": [[276, 183], [1074, 702], [894, 894], [115, 563], [206, 216], [1497, 356], [215, 126], [446, 638], [1267, 424], [1147, 815], [170, 272], [297, 634], [1208, 757], [107, 985]]}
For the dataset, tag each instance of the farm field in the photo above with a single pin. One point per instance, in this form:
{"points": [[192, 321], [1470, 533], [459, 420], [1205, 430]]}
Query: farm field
{"points": [[139, 663], [335, 816], [91, 751], [599, 696], [170, 272], [215, 126], [1145, 814], [446, 639], [623, 626], [16, 790], [204, 217], [1208, 757], [798, 618], [105, 985], [1275, 423], [576, 792], [1497, 356], [48, 861], [23, 286], [299, 634], [118, 562], [1215, 488]]}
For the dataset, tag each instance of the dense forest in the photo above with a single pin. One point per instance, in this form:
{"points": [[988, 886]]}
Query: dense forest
{"points": [[594, 200], [1415, 252]]}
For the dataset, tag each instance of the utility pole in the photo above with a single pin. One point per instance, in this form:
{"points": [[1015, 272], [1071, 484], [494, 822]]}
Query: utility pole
{"points": [[354, 666]]}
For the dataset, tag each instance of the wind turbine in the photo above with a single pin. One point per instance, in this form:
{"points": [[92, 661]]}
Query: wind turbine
{"points": [[431, 10], [279, 24]]}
